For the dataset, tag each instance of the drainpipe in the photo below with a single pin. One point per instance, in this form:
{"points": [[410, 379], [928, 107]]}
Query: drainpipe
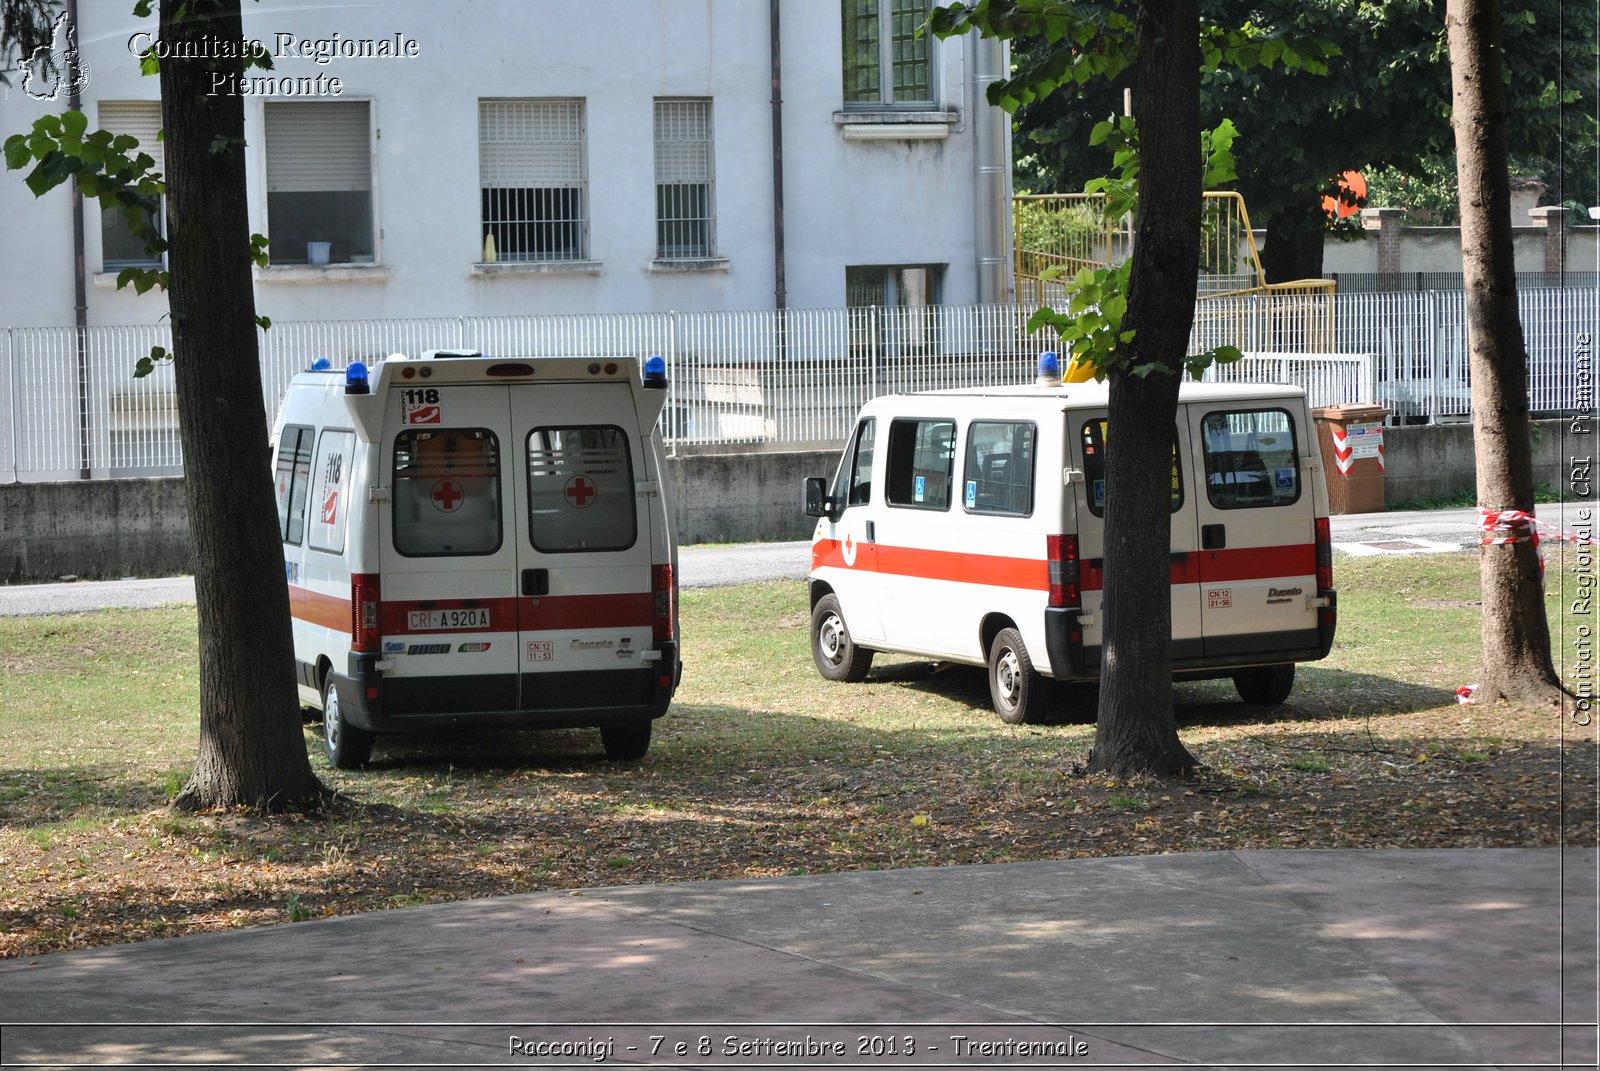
{"points": [[80, 288], [779, 286], [992, 189]]}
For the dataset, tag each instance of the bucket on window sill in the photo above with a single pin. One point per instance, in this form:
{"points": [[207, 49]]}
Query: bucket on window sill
{"points": [[318, 252]]}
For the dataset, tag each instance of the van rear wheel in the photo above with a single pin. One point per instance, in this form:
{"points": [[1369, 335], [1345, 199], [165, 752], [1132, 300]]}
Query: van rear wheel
{"points": [[1265, 685], [835, 653], [1020, 694], [348, 746], [627, 741]]}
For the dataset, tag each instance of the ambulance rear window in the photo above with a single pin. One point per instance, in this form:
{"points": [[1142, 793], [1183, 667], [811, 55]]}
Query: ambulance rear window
{"points": [[580, 489], [1093, 440], [446, 492], [1251, 459]]}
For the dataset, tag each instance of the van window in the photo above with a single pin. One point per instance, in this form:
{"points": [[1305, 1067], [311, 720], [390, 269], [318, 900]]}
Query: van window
{"points": [[1251, 458], [292, 477], [998, 473], [446, 492], [921, 463], [580, 489], [335, 453], [853, 485], [1093, 437]]}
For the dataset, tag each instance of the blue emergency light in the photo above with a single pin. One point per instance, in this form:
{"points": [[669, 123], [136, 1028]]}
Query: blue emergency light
{"points": [[655, 373], [321, 364], [1049, 370], [355, 379]]}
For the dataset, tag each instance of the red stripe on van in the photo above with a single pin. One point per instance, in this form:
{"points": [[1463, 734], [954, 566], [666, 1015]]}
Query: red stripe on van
{"points": [[1215, 566], [634, 609], [313, 607]]}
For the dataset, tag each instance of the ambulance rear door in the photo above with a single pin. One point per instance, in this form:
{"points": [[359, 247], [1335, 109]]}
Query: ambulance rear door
{"points": [[1257, 529], [1088, 433], [583, 530], [448, 556]]}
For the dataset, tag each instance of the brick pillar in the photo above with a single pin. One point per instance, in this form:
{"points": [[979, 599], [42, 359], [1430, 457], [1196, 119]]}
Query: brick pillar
{"points": [[1553, 219], [1389, 223]]}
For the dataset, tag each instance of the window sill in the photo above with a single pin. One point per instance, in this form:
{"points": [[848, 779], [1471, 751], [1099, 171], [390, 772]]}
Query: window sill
{"points": [[484, 270], [323, 273], [688, 264], [889, 125], [107, 280]]}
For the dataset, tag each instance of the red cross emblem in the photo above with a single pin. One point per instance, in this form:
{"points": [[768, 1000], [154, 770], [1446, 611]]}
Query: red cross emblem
{"points": [[580, 491], [447, 496]]}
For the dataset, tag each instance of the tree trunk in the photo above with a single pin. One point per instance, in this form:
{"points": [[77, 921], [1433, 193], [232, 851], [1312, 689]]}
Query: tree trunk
{"points": [[252, 746], [1295, 234], [1135, 731], [1516, 637]]}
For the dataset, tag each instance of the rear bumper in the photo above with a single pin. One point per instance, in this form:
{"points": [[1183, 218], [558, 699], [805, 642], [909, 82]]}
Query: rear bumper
{"points": [[1070, 660], [384, 704]]}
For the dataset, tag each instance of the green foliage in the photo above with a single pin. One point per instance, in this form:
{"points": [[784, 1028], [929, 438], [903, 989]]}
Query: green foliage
{"points": [[1090, 328], [1427, 191]]}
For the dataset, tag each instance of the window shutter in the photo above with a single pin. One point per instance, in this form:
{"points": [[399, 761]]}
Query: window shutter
{"points": [[683, 141], [524, 144], [318, 147], [141, 119]]}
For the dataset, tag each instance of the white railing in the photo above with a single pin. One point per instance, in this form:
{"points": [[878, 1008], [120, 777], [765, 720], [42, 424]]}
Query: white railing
{"points": [[70, 407]]}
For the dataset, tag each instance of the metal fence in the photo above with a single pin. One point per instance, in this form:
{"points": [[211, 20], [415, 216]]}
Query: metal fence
{"points": [[70, 407]]}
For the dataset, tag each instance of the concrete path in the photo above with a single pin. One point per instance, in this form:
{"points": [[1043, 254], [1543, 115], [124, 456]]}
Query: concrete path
{"points": [[1438, 958]]}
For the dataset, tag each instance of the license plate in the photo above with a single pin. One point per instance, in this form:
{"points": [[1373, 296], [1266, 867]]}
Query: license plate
{"points": [[446, 620]]}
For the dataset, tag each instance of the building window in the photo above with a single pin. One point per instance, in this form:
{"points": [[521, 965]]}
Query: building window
{"points": [[319, 182], [894, 286], [533, 178], [685, 207], [141, 119], [886, 63]]}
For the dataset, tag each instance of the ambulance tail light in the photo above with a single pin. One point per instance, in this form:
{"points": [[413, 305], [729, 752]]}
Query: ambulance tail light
{"points": [[1061, 552], [365, 602], [1324, 554], [665, 588]]}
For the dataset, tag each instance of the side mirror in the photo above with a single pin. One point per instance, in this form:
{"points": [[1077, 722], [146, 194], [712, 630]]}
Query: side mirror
{"points": [[817, 502]]}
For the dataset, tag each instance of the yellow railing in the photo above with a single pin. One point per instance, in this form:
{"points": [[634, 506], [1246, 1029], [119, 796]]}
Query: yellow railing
{"points": [[1056, 234]]}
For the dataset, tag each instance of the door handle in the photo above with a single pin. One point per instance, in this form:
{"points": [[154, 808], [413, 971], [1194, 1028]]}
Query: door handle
{"points": [[872, 532], [1213, 536], [536, 581]]}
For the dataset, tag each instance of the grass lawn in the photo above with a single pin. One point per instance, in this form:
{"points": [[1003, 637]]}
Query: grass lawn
{"points": [[761, 768]]}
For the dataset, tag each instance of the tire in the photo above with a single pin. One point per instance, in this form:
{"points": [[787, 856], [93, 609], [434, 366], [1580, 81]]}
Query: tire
{"points": [[1265, 685], [835, 653], [347, 746], [626, 741], [1020, 695]]}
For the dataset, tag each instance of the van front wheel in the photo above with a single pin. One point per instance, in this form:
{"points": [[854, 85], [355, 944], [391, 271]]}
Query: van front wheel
{"points": [[1265, 685], [1020, 695], [348, 747], [627, 741], [835, 653]]}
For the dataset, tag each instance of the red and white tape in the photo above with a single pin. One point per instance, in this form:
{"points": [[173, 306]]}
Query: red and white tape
{"points": [[1502, 526]]}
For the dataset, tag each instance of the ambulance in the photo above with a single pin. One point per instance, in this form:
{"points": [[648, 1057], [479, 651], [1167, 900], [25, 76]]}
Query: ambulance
{"points": [[474, 542], [967, 526]]}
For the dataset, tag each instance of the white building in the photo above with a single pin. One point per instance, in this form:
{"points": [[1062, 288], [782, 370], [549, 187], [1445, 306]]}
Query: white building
{"points": [[501, 157]]}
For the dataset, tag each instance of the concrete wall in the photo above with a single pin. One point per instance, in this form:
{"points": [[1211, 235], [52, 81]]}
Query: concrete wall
{"points": [[1430, 460], [111, 528]]}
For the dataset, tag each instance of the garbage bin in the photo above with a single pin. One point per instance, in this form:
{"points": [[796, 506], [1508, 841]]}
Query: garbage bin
{"points": [[1350, 438]]}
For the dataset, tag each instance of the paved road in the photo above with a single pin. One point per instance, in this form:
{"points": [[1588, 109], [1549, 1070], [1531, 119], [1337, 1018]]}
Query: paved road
{"points": [[716, 566]]}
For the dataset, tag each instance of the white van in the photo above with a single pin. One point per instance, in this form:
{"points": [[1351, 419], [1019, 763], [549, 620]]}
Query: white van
{"points": [[967, 526], [473, 542]]}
